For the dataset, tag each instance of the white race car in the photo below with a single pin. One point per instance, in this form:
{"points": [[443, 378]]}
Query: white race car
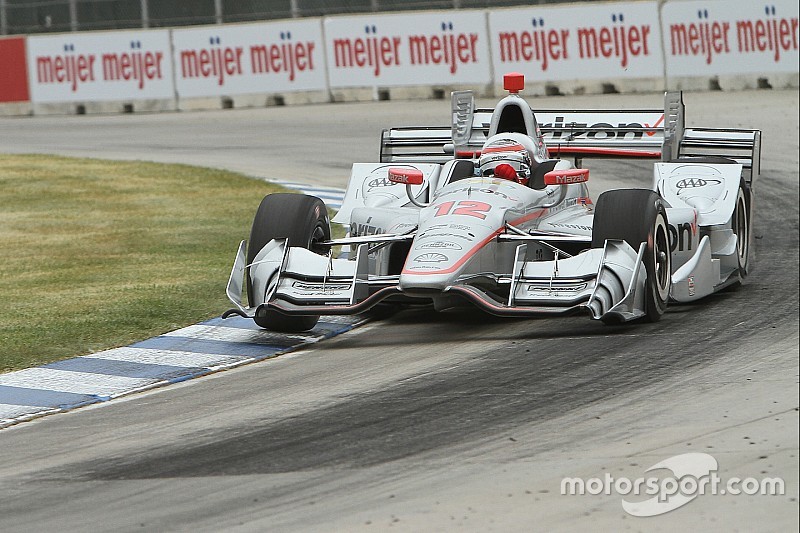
{"points": [[494, 212]]}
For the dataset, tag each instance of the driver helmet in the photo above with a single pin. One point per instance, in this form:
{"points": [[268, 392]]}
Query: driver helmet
{"points": [[505, 159]]}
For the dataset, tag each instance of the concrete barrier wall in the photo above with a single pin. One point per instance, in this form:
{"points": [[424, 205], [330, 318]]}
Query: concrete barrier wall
{"points": [[14, 92], [561, 49]]}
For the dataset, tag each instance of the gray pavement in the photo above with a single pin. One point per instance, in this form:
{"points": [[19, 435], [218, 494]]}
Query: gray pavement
{"points": [[428, 422]]}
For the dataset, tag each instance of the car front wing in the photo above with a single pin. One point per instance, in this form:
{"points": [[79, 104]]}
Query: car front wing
{"points": [[607, 282]]}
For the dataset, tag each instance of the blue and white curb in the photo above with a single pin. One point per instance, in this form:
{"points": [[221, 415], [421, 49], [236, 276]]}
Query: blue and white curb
{"points": [[176, 356], [332, 196]]}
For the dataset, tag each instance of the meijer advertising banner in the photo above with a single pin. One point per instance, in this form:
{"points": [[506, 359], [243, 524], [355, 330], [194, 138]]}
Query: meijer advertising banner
{"points": [[249, 58], [586, 41], [121, 65], [431, 48], [722, 37]]}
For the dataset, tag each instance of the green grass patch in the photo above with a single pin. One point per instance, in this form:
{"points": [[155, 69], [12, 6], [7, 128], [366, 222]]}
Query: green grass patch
{"points": [[98, 254]]}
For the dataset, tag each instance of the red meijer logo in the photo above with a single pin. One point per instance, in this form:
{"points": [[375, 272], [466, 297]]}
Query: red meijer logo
{"points": [[545, 45], [74, 68], [450, 48], [708, 37], [220, 62]]}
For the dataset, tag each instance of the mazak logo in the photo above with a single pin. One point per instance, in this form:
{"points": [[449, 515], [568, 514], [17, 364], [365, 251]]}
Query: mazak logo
{"points": [[682, 479]]}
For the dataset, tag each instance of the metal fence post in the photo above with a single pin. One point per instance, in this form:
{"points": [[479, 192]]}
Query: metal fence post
{"points": [[218, 11], [145, 14], [294, 9], [3, 19], [73, 15]]}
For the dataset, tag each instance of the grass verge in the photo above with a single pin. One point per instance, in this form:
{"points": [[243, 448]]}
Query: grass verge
{"points": [[97, 254]]}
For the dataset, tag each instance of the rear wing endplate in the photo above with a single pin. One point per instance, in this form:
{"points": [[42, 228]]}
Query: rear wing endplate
{"points": [[681, 143]]}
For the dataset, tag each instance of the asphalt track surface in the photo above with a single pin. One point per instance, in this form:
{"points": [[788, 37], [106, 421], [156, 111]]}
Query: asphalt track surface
{"points": [[426, 421]]}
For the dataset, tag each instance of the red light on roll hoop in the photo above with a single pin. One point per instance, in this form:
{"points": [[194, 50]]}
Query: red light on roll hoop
{"points": [[514, 82]]}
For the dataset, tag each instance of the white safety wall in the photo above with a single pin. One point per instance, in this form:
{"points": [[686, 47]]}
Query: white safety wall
{"points": [[641, 40], [432, 48], [100, 66], [587, 41], [720, 37], [277, 57]]}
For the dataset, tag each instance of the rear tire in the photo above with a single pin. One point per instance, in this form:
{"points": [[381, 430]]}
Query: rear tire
{"points": [[304, 221], [637, 216]]}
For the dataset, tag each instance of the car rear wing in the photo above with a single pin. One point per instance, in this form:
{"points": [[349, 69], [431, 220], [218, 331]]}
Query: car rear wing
{"points": [[640, 134], [742, 146], [579, 134]]}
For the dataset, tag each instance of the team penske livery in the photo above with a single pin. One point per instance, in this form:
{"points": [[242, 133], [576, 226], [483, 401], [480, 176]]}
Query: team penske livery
{"points": [[493, 212]]}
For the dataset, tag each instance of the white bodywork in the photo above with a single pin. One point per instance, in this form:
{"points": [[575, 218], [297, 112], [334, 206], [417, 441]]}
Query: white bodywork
{"points": [[702, 199], [508, 248]]}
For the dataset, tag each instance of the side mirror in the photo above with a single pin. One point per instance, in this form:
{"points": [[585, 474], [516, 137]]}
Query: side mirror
{"points": [[407, 176], [567, 176]]}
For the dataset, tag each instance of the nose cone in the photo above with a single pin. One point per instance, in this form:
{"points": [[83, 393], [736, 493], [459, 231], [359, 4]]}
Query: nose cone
{"points": [[461, 221], [435, 261], [414, 281], [442, 249]]}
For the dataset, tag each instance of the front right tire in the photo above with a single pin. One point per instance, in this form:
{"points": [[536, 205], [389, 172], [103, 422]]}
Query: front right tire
{"points": [[741, 226]]}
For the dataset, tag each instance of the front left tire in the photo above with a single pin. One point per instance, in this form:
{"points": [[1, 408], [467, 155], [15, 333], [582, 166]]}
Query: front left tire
{"points": [[301, 219]]}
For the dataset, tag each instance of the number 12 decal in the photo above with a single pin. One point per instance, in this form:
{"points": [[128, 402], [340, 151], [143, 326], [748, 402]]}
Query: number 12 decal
{"points": [[464, 207]]}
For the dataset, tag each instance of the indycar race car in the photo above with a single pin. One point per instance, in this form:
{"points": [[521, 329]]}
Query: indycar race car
{"points": [[494, 212]]}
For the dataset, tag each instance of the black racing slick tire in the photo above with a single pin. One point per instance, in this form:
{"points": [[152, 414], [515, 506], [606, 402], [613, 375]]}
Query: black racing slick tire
{"points": [[304, 221], [637, 216], [741, 225]]}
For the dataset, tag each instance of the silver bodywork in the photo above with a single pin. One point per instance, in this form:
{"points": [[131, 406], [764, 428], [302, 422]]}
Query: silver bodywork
{"points": [[507, 248]]}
